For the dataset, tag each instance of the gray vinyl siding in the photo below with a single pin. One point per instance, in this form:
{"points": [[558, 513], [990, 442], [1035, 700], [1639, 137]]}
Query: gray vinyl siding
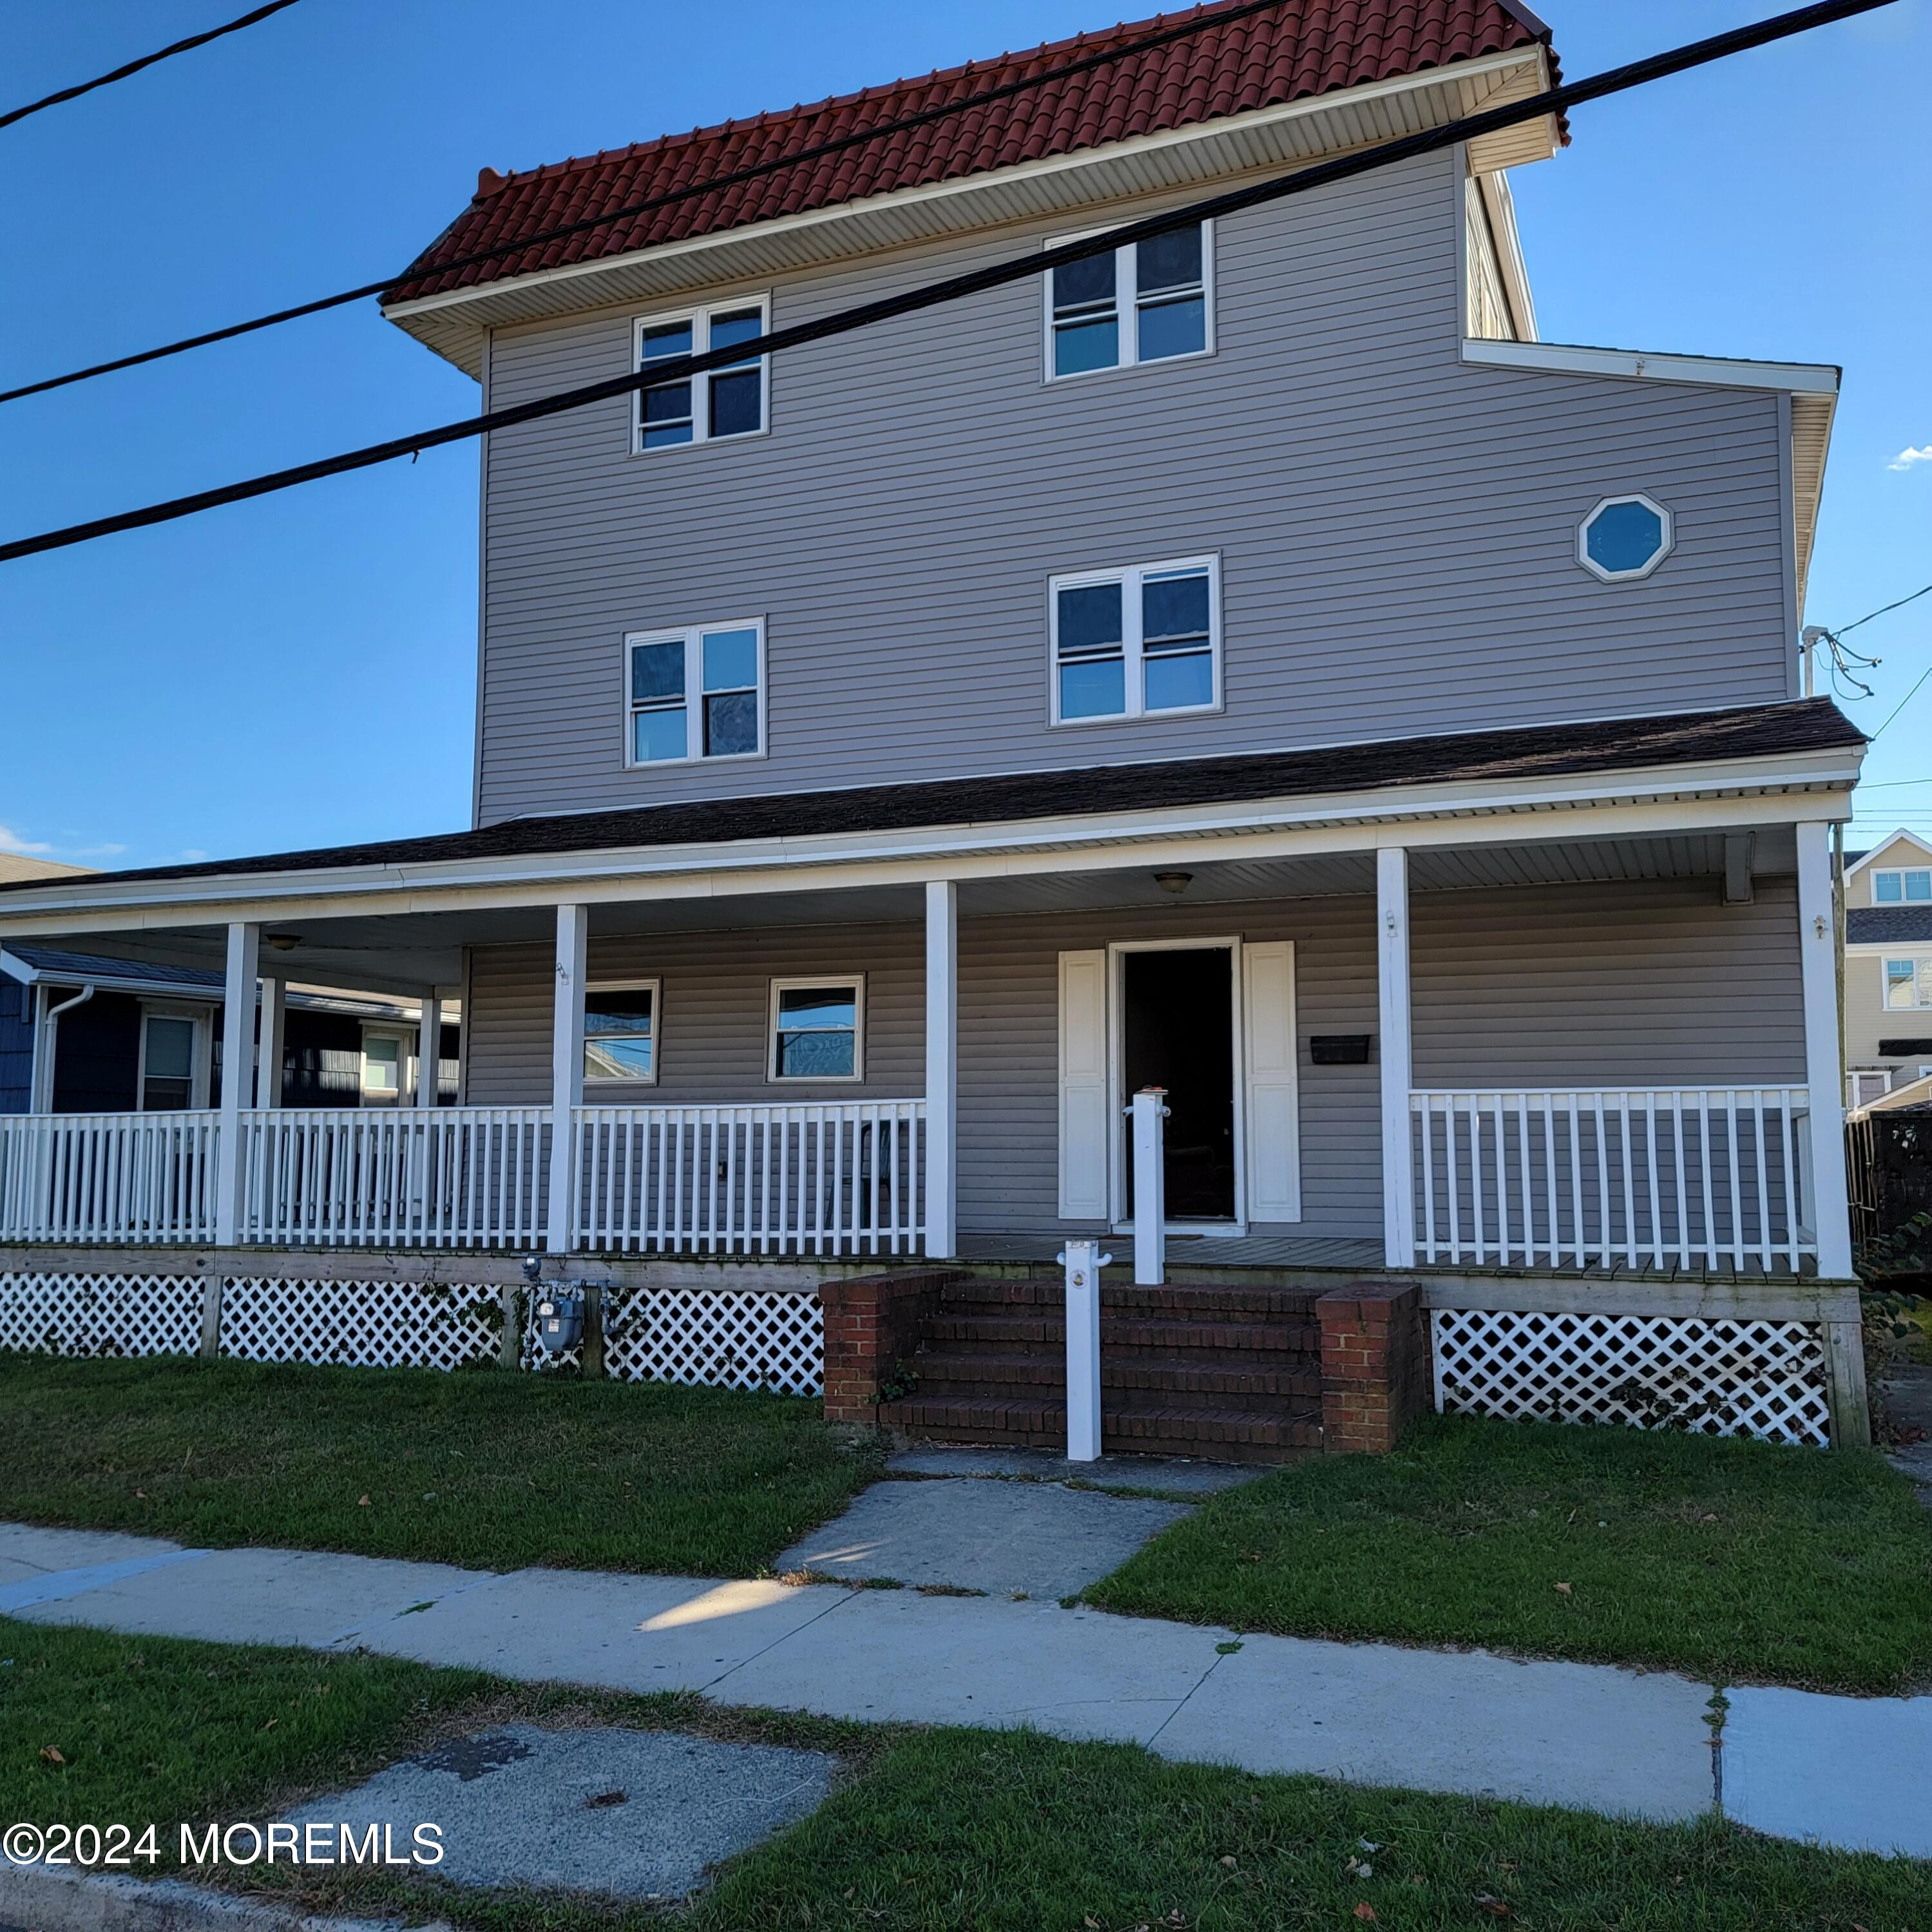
{"points": [[1627, 983], [1397, 528]]}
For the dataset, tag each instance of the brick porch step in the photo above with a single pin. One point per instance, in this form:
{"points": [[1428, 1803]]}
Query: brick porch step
{"points": [[1207, 1302], [1250, 1342], [1222, 1435], [1133, 1380]]}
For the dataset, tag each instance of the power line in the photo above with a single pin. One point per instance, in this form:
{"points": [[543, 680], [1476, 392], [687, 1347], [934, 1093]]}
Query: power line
{"points": [[7, 120], [1614, 80], [754, 172], [1879, 612]]}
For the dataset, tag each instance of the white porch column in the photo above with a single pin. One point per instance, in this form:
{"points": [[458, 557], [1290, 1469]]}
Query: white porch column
{"points": [[566, 1068], [429, 1045], [942, 1067], [238, 1075], [1817, 916], [1398, 1076], [269, 1047]]}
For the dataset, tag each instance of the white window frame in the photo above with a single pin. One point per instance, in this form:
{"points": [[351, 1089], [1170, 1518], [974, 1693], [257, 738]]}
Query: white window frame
{"points": [[692, 638], [602, 1082], [1855, 1075], [201, 1056], [1131, 577], [1666, 521], [405, 1086], [700, 318], [856, 981], [1127, 310], [1921, 982], [1898, 872]]}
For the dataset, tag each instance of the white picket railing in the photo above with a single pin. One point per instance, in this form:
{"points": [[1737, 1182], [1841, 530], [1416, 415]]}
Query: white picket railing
{"points": [[108, 1177], [803, 1178], [1709, 1177], [406, 1177]]}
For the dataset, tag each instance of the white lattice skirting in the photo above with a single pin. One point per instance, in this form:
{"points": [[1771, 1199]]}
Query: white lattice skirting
{"points": [[705, 1337], [373, 1325], [101, 1314], [1760, 1378]]}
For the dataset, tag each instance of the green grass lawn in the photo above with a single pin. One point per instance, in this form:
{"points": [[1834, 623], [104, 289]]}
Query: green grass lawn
{"points": [[930, 1829], [491, 1469], [1738, 1561]]}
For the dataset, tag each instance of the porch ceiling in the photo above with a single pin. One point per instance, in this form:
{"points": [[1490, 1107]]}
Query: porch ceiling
{"points": [[404, 952]]}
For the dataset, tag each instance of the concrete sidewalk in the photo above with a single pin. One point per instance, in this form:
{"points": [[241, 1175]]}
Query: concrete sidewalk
{"points": [[1847, 1771]]}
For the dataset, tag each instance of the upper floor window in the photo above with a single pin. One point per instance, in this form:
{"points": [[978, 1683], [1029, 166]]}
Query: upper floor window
{"points": [[1624, 538], [1898, 888], [1148, 302], [726, 402], [1131, 643], [695, 694], [1908, 983]]}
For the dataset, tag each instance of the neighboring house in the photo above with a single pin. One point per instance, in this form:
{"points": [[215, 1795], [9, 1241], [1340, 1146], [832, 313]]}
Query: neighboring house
{"points": [[18, 865], [1249, 663], [81, 1033], [1887, 985]]}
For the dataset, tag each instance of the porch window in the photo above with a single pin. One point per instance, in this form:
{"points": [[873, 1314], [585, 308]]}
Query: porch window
{"points": [[1145, 303], [167, 1063], [620, 1030], [721, 403], [383, 1063], [696, 693], [1137, 643], [817, 1029], [1902, 888], [1908, 983]]}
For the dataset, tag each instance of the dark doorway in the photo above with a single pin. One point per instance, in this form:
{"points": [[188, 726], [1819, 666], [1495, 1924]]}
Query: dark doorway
{"points": [[1177, 1032]]}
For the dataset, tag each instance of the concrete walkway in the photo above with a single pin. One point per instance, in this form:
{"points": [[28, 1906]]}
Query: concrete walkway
{"points": [[1845, 1771]]}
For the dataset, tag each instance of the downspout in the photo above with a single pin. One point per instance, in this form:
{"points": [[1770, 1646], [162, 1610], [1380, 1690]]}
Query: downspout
{"points": [[1839, 921], [50, 1033]]}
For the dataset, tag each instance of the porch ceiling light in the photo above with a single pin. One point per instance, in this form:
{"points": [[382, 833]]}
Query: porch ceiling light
{"points": [[1176, 883], [285, 942], [1624, 538]]}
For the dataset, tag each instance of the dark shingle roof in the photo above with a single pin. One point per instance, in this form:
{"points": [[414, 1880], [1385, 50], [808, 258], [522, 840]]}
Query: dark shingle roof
{"points": [[98, 966], [1887, 925], [1525, 754], [1299, 49]]}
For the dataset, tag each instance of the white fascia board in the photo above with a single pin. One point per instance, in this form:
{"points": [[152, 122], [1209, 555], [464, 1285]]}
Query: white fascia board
{"points": [[990, 179], [110, 982], [1887, 949], [1816, 786], [1562, 358], [1500, 206], [1885, 845]]}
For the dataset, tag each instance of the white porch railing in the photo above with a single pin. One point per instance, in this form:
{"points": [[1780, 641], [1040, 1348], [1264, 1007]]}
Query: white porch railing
{"points": [[403, 1177], [799, 1178], [1708, 1177], [108, 1177]]}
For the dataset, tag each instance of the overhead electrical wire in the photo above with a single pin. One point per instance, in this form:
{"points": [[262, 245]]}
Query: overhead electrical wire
{"points": [[676, 369], [736, 178], [193, 40]]}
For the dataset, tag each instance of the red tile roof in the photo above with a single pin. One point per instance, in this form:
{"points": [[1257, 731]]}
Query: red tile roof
{"points": [[1290, 52]]}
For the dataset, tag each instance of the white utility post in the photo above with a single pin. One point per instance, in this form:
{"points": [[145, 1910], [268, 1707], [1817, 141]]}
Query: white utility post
{"points": [[238, 1076], [1398, 1071], [429, 1046], [942, 1067], [268, 1046], [566, 1068], [1083, 1266], [1148, 1112], [1817, 941]]}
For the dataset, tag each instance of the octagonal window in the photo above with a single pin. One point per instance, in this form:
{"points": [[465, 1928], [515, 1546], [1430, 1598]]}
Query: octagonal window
{"points": [[1624, 538]]}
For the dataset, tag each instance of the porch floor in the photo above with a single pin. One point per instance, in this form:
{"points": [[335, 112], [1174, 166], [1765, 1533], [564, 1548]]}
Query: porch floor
{"points": [[1269, 1251]]}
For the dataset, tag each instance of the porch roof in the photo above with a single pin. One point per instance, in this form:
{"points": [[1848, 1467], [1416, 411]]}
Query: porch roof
{"points": [[1607, 745], [1888, 925]]}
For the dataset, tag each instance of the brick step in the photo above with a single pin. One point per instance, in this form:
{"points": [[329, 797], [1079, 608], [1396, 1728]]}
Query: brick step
{"points": [[1217, 1435], [1132, 1378], [1183, 1300], [1252, 1343]]}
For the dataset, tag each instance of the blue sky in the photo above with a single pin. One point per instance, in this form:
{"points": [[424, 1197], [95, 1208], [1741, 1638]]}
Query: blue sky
{"points": [[299, 671]]}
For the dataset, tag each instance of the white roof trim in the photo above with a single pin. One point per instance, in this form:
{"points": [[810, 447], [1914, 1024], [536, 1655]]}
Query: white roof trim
{"points": [[1499, 204], [1885, 845], [1522, 70], [1564, 358]]}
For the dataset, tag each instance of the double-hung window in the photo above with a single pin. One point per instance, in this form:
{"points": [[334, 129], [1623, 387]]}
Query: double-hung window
{"points": [[817, 1029], [1139, 643], [620, 1024], [1908, 983], [1149, 302], [695, 694], [1913, 888], [721, 403]]}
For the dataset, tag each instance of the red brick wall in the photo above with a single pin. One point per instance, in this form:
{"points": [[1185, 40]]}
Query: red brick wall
{"points": [[1375, 1364], [871, 1324]]}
